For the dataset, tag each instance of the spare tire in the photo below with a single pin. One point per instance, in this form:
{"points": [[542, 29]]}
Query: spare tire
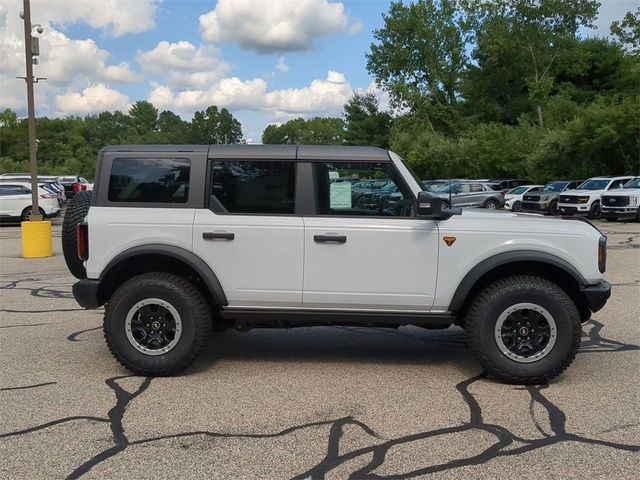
{"points": [[77, 210]]}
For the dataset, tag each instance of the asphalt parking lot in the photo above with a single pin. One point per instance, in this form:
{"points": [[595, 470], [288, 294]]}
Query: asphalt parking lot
{"points": [[322, 402]]}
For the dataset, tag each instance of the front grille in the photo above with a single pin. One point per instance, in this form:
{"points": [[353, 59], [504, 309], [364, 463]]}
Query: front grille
{"points": [[569, 199], [531, 198], [614, 201], [530, 206]]}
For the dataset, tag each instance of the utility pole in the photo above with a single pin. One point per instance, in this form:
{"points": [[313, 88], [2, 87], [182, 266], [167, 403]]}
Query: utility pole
{"points": [[30, 59]]}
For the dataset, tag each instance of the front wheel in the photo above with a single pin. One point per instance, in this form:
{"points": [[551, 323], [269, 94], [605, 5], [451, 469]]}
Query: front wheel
{"points": [[523, 329], [517, 206], [595, 211], [157, 323], [26, 213], [553, 208]]}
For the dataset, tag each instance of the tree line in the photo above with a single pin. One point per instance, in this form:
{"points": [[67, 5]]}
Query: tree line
{"points": [[477, 88], [69, 146]]}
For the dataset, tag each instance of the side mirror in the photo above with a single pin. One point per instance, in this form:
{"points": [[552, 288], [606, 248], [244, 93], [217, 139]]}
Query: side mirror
{"points": [[428, 205]]}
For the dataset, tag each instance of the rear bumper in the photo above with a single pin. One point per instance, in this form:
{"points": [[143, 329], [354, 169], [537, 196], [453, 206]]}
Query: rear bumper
{"points": [[597, 295], [86, 293]]}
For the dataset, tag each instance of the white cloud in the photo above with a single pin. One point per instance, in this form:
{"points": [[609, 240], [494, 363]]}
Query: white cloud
{"points": [[281, 66], [269, 26], [184, 64], [120, 73], [116, 17], [320, 97], [93, 99]]}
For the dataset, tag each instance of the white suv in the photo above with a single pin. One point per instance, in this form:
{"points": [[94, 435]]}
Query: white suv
{"points": [[179, 240], [623, 203], [15, 201], [586, 199]]}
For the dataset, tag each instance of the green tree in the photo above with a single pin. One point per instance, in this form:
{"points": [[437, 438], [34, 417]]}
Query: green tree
{"points": [[627, 31], [172, 129], [365, 124], [144, 117], [315, 131], [419, 57], [212, 127]]}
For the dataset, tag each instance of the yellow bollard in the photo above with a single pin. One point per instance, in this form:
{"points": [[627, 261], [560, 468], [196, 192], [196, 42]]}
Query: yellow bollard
{"points": [[36, 239]]}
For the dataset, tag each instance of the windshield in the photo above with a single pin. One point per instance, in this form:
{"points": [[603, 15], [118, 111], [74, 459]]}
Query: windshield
{"points": [[555, 187], [594, 185], [517, 190], [633, 183]]}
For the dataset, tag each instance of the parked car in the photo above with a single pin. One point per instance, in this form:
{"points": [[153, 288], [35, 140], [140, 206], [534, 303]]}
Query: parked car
{"points": [[546, 200], [586, 199], [513, 198], [623, 203], [472, 194], [52, 181], [75, 184], [15, 201], [509, 183], [247, 236]]}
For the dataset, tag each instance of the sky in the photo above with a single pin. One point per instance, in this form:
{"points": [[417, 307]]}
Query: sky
{"points": [[267, 61]]}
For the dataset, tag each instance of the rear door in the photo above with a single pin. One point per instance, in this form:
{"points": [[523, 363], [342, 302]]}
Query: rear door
{"points": [[250, 234], [375, 258]]}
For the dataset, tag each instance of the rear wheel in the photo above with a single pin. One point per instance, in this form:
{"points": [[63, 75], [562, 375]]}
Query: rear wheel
{"points": [[157, 324], [26, 213], [490, 204], [523, 329], [76, 212]]}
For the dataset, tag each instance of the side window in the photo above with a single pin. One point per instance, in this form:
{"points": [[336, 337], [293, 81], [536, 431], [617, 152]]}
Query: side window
{"points": [[360, 189], [616, 184], [258, 187], [10, 190], [149, 180], [476, 188]]}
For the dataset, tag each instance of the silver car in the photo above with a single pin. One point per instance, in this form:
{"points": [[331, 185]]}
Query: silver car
{"points": [[472, 194]]}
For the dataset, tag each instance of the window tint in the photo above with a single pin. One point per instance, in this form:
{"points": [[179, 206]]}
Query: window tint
{"points": [[149, 180], [476, 188], [7, 190], [254, 187], [360, 189]]}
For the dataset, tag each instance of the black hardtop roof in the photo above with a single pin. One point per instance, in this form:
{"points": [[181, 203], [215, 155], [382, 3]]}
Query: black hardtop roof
{"points": [[285, 152]]}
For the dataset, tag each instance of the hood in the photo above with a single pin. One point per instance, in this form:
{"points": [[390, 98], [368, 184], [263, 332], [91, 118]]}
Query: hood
{"points": [[582, 192], [501, 221], [623, 192]]}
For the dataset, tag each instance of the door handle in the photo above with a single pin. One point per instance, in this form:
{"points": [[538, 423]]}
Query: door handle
{"points": [[218, 236], [330, 238]]}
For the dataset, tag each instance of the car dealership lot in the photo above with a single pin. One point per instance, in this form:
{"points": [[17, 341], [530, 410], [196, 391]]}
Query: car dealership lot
{"points": [[307, 402]]}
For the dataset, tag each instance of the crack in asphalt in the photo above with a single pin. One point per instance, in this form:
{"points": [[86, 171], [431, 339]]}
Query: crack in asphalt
{"points": [[27, 386], [379, 450]]}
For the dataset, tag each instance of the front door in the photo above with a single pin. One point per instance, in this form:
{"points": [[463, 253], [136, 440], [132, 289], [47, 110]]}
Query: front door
{"points": [[250, 235], [374, 258]]}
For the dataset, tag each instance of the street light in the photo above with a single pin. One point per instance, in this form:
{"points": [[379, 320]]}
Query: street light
{"points": [[36, 234]]}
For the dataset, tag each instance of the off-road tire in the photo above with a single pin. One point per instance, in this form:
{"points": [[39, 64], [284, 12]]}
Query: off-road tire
{"points": [[27, 212], [483, 313], [187, 299], [77, 209], [595, 211]]}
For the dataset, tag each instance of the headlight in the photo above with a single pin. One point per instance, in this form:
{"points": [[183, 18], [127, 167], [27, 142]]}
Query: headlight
{"points": [[633, 201], [545, 198], [584, 199]]}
